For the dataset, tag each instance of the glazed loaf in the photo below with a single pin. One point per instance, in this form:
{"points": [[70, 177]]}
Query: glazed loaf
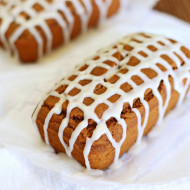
{"points": [[114, 98], [30, 28]]}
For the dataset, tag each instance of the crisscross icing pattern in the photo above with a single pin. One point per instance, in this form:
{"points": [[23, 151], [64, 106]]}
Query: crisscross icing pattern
{"points": [[116, 75], [30, 14]]}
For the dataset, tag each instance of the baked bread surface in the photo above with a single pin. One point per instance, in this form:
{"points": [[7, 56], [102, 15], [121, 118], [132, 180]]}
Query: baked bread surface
{"points": [[30, 28], [114, 98]]}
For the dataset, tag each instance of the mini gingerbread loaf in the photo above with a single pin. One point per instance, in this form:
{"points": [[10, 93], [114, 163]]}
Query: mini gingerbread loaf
{"points": [[114, 98], [30, 28]]}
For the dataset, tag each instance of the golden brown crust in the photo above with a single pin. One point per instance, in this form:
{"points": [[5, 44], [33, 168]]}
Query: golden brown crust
{"points": [[27, 45]]}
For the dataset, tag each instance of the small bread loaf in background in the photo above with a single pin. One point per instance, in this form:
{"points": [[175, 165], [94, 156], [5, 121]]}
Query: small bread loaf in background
{"points": [[29, 29], [96, 114]]}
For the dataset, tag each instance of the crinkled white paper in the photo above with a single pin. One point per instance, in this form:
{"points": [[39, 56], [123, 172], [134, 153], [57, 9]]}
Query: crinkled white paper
{"points": [[163, 159]]}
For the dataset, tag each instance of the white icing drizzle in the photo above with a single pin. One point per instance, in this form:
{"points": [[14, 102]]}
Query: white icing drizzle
{"points": [[103, 7], [115, 109], [141, 128], [50, 11]]}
